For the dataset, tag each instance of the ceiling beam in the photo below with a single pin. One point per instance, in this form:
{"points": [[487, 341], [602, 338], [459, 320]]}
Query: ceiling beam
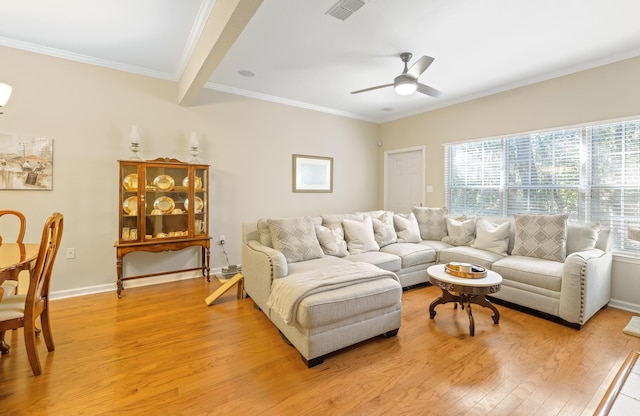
{"points": [[227, 20]]}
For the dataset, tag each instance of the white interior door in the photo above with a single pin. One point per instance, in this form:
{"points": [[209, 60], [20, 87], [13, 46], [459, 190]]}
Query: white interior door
{"points": [[404, 179]]}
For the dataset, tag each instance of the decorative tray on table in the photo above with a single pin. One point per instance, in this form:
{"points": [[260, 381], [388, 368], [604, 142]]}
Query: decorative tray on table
{"points": [[465, 270]]}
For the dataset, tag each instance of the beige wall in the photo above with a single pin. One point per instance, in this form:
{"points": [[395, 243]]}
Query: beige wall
{"points": [[603, 93], [89, 111]]}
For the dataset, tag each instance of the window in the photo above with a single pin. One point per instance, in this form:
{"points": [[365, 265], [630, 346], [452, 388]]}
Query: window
{"points": [[590, 173]]}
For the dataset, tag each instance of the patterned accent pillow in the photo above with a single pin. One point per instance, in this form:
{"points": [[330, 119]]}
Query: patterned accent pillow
{"points": [[431, 222], [407, 228], [359, 236], [331, 240], [383, 229], [492, 237], [541, 236], [295, 238], [461, 233]]}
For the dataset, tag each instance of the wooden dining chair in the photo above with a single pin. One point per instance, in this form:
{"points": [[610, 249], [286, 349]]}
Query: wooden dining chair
{"points": [[21, 218], [21, 311], [11, 286]]}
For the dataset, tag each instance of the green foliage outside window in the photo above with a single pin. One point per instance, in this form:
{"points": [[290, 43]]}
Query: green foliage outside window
{"points": [[591, 173]]}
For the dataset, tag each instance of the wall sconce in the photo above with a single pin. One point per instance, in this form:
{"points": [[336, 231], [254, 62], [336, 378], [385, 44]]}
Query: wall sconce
{"points": [[5, 93], [195, 147], [134, 146]]}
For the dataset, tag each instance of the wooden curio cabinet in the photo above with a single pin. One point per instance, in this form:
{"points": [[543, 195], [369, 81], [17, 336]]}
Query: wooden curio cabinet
{"points": [[164, 206]]}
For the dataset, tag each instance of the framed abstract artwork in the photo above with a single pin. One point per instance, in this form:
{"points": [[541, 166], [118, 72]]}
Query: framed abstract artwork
{"points": [[26, 163], [312, 173]]}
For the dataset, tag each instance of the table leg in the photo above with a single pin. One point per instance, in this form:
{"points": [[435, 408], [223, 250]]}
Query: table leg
{"points": [[483, 301], [445, 298], [205, 263], [4, 347], [465, 301], [472, 324], [119, 281]]}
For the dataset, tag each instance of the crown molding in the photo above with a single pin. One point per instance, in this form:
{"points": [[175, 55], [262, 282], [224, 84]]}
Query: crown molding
{"points": [[57, 53], [286, 101]]}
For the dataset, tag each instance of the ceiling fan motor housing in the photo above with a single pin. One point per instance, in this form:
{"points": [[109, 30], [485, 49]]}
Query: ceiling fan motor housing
{"points": [[406, 57]]}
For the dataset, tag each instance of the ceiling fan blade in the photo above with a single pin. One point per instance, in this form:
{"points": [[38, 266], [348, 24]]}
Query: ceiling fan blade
{"points": [[425, 89], [371, 88], [419, 66]]}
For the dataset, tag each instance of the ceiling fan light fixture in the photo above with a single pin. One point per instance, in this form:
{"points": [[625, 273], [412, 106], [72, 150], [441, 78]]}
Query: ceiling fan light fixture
{"points": [[404, 85]]}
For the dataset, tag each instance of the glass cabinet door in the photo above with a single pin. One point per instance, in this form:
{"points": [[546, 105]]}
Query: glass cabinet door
{"points": [[200, 197], [166, 202], [130, 203], [163, 200]]}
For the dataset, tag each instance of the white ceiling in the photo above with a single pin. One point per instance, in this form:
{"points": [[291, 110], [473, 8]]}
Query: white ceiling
{"points": [[304, 57]]}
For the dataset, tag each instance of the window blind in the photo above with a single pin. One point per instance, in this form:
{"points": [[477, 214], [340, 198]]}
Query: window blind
{"points": [[615, 179], [475, 177], [591, 173]]}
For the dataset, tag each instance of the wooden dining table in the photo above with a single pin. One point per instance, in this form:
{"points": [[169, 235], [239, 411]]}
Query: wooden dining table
{"points": [[15, 258]]}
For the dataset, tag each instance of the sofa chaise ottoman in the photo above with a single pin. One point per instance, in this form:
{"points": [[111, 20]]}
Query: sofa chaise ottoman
{"points": [[354, 301]]}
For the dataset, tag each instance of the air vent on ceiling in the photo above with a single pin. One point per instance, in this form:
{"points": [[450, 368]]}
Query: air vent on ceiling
{"points": [[344, 8]]}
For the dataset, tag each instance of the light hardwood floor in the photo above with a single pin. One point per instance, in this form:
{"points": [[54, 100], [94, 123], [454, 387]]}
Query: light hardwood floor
{"points": [[160, 350]]}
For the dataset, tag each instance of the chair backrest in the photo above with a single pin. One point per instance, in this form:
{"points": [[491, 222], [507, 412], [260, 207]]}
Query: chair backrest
{"points": [[21, 218], [38, 292]]}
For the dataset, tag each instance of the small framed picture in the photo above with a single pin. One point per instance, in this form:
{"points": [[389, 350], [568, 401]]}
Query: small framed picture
{"points": [[26, 163], [312, 173]]}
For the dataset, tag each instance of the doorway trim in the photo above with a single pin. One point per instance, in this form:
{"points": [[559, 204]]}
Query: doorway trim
{"points": [[422, 149]]}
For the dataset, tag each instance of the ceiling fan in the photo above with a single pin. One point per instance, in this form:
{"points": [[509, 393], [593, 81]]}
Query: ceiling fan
{"points": [[407, 82]]}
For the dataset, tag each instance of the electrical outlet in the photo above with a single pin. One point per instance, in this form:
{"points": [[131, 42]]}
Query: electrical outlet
{"points": [[71, 253], [222, 239]]}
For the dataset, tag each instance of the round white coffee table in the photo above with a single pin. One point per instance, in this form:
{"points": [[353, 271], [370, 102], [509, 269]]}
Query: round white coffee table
{"points": [[467, 291]]}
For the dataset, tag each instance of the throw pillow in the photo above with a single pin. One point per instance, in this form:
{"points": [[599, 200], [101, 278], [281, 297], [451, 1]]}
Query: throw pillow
{"points": [[431, 222], [581, 237], [407, 228], [359, 236], [492, 237], [265, 234], [460, 233], [295, 238], [331, 240], [373, 214], [328, 219], [542, 236], [383, 229]]}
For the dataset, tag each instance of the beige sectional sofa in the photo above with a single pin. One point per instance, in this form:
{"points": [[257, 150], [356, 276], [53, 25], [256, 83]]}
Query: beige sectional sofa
{"points": [[549, 265]]}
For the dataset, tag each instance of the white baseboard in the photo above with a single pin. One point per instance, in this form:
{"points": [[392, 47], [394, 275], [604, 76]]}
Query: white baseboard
{"points": [[112, 287], [89, 290], [626, 306]]}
